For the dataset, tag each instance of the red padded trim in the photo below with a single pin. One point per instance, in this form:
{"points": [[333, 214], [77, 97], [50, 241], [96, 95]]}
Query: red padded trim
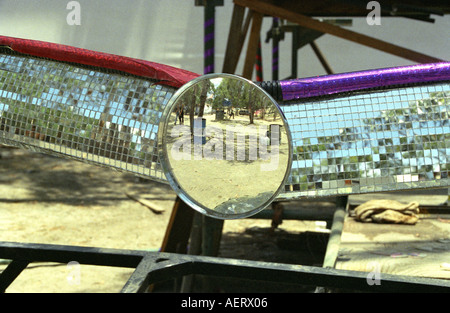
{"points": [[167, 75]]}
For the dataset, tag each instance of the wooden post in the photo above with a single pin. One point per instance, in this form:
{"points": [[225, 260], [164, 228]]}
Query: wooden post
{"points": [[179, 228], [253, 42], [236, 37], [321, 58]]}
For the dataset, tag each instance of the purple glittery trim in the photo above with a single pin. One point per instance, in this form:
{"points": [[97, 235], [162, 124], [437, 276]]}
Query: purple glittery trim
{"points": [[337, 83]]}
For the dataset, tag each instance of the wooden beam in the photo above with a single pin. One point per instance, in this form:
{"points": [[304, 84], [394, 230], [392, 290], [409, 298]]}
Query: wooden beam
{"points": [[236, 37], [321, 58], [305, 21], [252, 48], [178, 230], [357, 8]]}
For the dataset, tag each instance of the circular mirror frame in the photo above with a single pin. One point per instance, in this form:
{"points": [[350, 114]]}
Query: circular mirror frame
{"points": [[165, 161]]}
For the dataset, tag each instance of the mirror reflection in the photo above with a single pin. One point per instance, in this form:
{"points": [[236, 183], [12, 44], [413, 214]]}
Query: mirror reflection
{"points": [[87, 114], [393, 139], [226, 146]]}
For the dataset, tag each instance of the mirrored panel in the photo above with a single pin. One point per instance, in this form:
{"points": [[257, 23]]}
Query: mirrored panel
{"points": [[229, 142], [374, 141], [226, 147], [104, 118]]}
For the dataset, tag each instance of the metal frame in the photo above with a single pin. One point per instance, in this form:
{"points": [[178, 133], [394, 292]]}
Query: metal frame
{"points": [[154, 267]]}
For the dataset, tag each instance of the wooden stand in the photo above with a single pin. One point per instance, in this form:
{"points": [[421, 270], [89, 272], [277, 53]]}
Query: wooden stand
{"points": [[294, 13]]}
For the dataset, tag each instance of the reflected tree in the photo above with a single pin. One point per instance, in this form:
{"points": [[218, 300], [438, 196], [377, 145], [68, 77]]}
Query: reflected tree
{"points": [[413, 139]]}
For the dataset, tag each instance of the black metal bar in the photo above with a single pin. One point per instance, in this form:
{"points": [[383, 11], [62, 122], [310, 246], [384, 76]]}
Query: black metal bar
{"points": [[169, 266], [65, 254], [10, 273], [153, 267], [302, 213], [139, 280], [157, 268], [317, 276]]}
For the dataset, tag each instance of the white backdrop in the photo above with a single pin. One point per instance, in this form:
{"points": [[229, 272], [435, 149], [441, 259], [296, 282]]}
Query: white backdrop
{"points": [[171, 32]]}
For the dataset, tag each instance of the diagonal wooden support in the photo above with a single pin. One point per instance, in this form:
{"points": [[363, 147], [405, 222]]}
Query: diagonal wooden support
{"points": [[321, 58], [265, 7], [239, 27], [252, 47], [236, 37], [177, 233]]}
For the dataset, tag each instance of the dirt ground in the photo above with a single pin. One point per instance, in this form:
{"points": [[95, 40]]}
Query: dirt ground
{"points": [[50, 200]]}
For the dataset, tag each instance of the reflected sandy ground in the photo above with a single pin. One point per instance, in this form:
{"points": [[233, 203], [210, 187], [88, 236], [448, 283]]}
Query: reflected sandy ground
{"points": [[231, 185]]}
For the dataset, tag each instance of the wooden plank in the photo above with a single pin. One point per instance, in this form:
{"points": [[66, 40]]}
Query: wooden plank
{"points": [[305, 21], [154, 207], [236, 37], [252, 47], [321, 58], [179, 228]]}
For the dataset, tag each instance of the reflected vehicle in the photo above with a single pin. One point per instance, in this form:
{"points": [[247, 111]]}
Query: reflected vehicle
{"points": [[225, 168]]}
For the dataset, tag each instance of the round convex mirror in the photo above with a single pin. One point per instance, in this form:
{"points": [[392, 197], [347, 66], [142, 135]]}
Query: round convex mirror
{"points": [[225, 146]]}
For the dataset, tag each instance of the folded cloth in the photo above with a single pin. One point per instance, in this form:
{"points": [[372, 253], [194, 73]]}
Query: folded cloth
{"points": [[387, 211]]}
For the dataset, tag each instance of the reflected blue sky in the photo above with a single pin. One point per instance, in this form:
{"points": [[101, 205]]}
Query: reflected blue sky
{"points": [[73, 106], [401, 134], [372, 141]]}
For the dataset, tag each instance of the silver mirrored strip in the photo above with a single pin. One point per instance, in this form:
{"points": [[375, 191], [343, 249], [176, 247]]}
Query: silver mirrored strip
{"points": [[370, 142], [93, 116]]}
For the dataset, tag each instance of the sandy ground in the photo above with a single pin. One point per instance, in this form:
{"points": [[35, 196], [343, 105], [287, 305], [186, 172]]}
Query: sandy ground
{"points": [[44, 199], [50, 200], [215, 178]]}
